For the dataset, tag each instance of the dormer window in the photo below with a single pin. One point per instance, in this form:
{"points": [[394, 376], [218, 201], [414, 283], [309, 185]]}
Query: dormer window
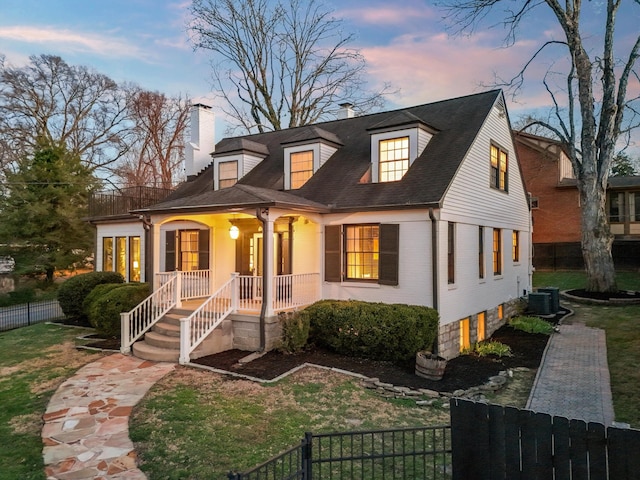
{"points": [[227, 174], [301, 168], [396, 142], [394, 159], [305, 153]]}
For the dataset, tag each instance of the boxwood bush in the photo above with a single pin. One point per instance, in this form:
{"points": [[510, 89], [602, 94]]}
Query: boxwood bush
{"points": [[379, 331], [98, 292], [104, 311], [73, 291]]}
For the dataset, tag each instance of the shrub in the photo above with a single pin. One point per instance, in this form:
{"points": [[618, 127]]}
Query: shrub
{"points": [[73, 291], [482, 349], [104, 312], [98, 292], [295, 331], [379, 331], [531, 325], [22, 295]]}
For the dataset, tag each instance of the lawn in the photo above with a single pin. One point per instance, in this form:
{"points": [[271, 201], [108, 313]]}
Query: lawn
{"points": [[33, 362]]}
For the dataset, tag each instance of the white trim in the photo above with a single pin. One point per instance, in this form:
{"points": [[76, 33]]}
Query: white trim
{"points": [[418, 140]]}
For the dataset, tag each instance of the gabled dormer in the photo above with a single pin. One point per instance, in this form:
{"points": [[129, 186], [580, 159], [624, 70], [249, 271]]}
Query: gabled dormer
{"points": [[395, 144], [234, 158], [304, 154]]}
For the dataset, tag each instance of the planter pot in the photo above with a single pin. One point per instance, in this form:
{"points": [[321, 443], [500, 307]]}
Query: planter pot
{"points": [[430, 366]]}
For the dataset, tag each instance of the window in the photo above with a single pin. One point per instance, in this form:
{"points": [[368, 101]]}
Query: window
{"points": [[616, 207], [497, 251], [451, 253], [465, 339], [515, 246], [186, 250], [107, 254], [500, 312], [361, 251], [634, 206], [482, 325], [480, 252], [189, 250], [394, 159], [121, 256], [368, 252], [499, 165], [134, 259], [301, 168], [227, 174], [534, 202]]}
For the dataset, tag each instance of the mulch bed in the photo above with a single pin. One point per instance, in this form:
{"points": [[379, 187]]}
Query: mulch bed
{"points": [[462, 372], [619, 295]]}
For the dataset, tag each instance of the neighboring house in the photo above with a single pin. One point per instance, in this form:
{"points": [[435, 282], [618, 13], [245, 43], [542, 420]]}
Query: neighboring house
{"points": [[423, 205], [555, 208]]}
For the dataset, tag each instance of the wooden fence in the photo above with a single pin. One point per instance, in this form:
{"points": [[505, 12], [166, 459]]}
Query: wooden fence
{"points": [[496, 442]]}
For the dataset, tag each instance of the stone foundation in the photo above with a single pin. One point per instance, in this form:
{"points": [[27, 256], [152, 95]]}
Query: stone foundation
{"points": [[246, 332], [449, 334]]}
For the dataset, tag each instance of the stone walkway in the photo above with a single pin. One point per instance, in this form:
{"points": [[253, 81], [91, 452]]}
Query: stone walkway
{"points": [[86, 430], [573, 380]]}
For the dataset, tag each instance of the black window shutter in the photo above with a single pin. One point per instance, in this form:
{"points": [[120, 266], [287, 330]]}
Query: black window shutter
{"points": [[203, 250], [389, 252], [332, 270], [170, 251]]}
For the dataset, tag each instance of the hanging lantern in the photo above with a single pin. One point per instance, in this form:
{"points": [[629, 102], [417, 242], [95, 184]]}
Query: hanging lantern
{"points": [[234, 232]]}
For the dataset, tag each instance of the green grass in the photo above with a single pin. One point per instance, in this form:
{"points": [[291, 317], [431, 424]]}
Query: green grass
{"points": [[33, 364], [576, 280], [531, 325]]}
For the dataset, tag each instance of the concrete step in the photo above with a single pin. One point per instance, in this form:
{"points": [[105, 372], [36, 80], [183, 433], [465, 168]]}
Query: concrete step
{"points": [[149, 352], [173, 318], [166, 328], [159, 340]]}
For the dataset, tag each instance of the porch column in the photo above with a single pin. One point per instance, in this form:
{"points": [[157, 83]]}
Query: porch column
{"points": [[155, 257], [267, 269]]}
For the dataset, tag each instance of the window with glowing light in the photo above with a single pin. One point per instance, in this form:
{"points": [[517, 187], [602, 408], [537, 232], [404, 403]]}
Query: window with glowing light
{"points": [[394, 159], [362, 251], [301, 168]]}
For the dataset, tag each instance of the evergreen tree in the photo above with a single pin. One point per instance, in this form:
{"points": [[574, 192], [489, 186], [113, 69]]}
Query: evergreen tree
{"points": [[42, 207]]}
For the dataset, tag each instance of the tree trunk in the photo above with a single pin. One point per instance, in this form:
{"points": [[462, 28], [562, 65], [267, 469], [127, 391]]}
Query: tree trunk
{"points": [[597, 240]]}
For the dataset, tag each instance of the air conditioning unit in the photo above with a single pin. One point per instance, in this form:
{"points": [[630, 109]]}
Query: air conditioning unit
{"points": [[540, 303], [555, 297]]}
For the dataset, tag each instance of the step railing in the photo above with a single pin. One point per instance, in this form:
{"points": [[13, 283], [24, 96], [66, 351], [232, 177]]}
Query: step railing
{"points": [[197, 326], [135, 323]]}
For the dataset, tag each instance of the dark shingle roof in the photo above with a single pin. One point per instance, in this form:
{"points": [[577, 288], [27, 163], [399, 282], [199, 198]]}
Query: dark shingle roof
{"points": [[336, 184]]}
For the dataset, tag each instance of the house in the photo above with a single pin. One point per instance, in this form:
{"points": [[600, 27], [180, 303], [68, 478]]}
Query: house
{"points": [[555, 208], [423, 205]]}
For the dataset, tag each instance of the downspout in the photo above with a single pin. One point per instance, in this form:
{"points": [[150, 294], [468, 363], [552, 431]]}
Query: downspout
{"points": [[266, 295], [434, 271]]}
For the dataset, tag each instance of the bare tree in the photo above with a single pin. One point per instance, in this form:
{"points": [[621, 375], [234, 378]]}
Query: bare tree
{"points": [[290, 64], [592, 112], [70, 106], [157, 153]]}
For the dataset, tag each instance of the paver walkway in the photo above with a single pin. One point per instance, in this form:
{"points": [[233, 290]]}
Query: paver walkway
{"points": [[573, 379], [86, 430]]}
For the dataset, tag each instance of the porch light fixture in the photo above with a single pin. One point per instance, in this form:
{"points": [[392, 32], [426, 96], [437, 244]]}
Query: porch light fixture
{"points": [[234, 232]]}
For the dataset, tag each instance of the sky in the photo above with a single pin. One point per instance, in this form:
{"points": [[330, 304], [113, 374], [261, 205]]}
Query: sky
{"points": [[405, 43]]}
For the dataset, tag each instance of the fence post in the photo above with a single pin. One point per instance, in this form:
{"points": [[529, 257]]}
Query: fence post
{"points": [[307, 455], [28, 313], [235, 292]]}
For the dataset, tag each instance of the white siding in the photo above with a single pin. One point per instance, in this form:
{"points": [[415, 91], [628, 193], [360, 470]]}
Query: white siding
{"points": [[307, 247], [325, 153], [470, 202], [414, 268]]}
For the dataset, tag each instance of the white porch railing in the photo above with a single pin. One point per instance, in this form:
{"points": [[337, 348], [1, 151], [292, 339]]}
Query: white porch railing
{"points": [[193, 284], [135, 323], [197, 326], [295, 291]]}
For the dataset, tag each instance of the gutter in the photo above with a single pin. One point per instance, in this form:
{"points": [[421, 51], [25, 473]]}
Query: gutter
{"points": [[266, 294], [434, 270]]}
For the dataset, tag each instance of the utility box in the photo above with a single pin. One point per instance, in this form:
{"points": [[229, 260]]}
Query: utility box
{"points": [[540, 303], [555, 297]]}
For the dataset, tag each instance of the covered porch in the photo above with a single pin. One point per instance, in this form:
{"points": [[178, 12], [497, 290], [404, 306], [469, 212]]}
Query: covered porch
{"points": [[242, 268]]}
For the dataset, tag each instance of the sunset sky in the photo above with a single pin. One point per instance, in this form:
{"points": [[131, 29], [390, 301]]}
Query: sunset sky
{"points": [[405, 43]]}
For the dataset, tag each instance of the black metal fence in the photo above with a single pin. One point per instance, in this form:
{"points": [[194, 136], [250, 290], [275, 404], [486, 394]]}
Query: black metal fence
{"points": [[496, 442], [409, 453], [26, 314], [121, 201]]}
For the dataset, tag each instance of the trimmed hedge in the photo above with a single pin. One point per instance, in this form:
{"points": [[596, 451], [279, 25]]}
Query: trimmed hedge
{"points": [[380, 331], [295, 331], [104, 311], [98, 292], [73, 291]]}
